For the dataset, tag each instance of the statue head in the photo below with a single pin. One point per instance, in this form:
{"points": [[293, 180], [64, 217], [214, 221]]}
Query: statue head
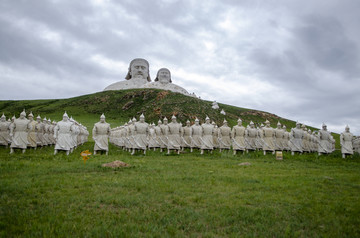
{"points": [[225, 122], [239, 121], [65, 117], [102, 118], [252, 125], [298, 125], [187, 123], [279, 125], [3, 118], [23, 114], [267, 123], [197, 121], [31, 116], [284, 128], [38, 118], [207, 120], [347, 128], [165, 121], [138, 68], [324, 127], [159, 122], [173, 118], [163, 76], [142, 118]]}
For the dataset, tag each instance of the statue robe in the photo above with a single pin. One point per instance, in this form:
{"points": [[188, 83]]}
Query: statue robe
{"points": [[325, 143], [32, 134], [279, 138], [40, 134], [269, 139], [186, 137], [207, 137], [141, 134], [20, 129], [295, 143], [251, 135], [62, 133], [4, 133], [215, 137], [286, 140], [224, 137], [158, 135], [163, 137], [101, 133], [174, 139], [196, 134], [131, 137], [238, 137], [346, 142], [152, 141]]}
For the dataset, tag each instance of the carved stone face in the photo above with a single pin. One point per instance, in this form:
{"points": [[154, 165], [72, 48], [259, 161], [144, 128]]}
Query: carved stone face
{"points": [[188, 123], [102, 120], [139, 69], [142, 119], [65, 118], [173, 120], [347, 129], [197, 123], [239, 123], [3, 119], [31, 118], [164, 76], [207, 121]]}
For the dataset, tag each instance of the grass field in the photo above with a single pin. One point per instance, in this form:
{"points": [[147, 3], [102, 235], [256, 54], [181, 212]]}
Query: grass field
{"points": [[178, 195]]}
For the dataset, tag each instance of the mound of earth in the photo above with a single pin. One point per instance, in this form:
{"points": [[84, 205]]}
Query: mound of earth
{"points": [[116, 164]]}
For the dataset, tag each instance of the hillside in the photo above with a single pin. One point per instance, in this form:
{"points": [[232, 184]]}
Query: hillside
{"points": [[120, 106]]}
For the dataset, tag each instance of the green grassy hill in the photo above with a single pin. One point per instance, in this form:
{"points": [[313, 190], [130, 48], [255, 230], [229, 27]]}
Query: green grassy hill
{"points": [[120, 106]]}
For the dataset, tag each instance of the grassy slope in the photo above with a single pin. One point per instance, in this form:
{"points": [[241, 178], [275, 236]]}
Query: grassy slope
{"points": [[178, 195], [120, 106]]}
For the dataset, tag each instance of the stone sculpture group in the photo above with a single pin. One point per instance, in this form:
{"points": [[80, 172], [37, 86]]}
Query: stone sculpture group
{"points": [[22, 133], [141, 136]]}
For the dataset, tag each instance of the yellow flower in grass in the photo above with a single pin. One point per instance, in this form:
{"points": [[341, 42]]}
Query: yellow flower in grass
{"points": [[85, 155]]}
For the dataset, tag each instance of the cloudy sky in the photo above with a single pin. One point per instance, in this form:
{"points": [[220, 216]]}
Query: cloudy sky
{"points": [[297, 59]]}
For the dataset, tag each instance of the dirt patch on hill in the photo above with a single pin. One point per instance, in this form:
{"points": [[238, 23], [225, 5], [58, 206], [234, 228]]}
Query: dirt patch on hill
{"points": [[116, 164]]}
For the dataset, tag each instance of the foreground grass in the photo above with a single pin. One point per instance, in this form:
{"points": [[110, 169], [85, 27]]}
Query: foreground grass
{"points": [[178, 195]]}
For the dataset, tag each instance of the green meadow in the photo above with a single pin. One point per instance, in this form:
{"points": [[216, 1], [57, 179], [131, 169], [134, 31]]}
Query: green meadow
{"points": [[42, 195]]}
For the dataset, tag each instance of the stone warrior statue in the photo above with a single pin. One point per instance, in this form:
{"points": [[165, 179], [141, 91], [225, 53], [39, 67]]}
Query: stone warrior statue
{"points": [[196, 133], [101, 133], [207, 141], [4, 131], [32, 132], [251, 136], [296, 136], [186, 136], [19, 133], [141, 131], [224, 136], [325, 137], [62, 135], [238, 133], [173, 136], [346, 142], [268, 138]]}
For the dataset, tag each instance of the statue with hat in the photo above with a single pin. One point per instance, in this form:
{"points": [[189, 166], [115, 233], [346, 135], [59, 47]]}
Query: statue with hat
{"points": [[296, 139], [196, 134], [141, 134], [101, 133], [164, 132], [279, 137], [224, 136], [4, 131], [251, 136], [268, 138], [238, 137], [325, 141], [207, 141], [346, 142], [32, 132], [186, 136], [19, 133], [62, 135], [39, 129], [173, 135]]}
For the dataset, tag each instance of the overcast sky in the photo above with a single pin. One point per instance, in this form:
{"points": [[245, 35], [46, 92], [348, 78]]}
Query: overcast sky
{"points": [[297, 59]]}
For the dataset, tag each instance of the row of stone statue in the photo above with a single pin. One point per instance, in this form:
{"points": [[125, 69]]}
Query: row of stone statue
{"points": [[139, 135], [22, 133]]}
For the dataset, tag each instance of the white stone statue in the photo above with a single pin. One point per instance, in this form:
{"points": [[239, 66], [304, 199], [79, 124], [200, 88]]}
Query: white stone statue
{"points": [[46, 132], [223, 112], [224, 136], [32, 132], [215, 105], [207, 141], [286, 139], [325, 141], [152, 140], [159, 136], [259, 138], [4, 131], [279, 137], [346, 142], [268, 138], [196, 134], [62, 135], [215, 135], [163, 81], [238, 137], [186, 136], [251, 136], [296, 137], [305, 143], [141, 134], [173, 135], [19, 133], [101, 133], [39, 129], [131, 136], [137, 77]]}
